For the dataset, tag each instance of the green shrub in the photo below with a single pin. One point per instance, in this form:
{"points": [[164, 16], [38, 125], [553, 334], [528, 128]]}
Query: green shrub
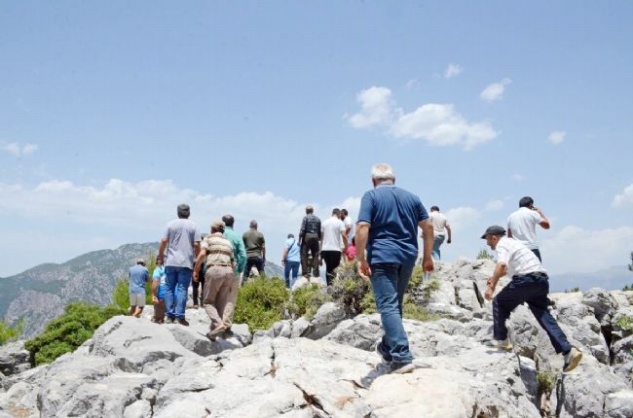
{"points": [[545, 380], [68, 331], [483, 254], [350, 291], [10, 333], [261, 302], [306, 301], [411, 310], [625, 323], [430, 287]]}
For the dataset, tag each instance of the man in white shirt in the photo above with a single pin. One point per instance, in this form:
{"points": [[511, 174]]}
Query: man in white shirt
{"points": [[529, 284], [349, 225], [333, 240], [440, 229], [522, 224]]}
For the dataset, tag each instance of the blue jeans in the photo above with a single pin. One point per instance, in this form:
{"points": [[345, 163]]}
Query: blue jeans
{"points": [[531, 288], [291, 267], [177, 280], [389, 282], [438, 240]]}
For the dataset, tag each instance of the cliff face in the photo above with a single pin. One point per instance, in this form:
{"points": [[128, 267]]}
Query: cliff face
{"points": [[326, 367], [41, 293]]}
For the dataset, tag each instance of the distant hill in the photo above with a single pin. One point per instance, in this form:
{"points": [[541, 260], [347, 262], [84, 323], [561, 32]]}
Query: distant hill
{"points": [[614, 278], [41, 293]]}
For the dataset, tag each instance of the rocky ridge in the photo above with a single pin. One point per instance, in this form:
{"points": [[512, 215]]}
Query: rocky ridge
{"points": [[326, 367]]}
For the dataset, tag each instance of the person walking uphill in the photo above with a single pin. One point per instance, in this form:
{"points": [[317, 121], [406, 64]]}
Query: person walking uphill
{"points": [[255, 250], [182, 244], [522, 224], [387, 227], [239, 257], [333, 242], [440, 230], [217, 254], [309, 241], [529, 284]]}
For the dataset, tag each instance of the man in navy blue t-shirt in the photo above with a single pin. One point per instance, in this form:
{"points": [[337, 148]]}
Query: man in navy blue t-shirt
{"points": [[387, 227]]}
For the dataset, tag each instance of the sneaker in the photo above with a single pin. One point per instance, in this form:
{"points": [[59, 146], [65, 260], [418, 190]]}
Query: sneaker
{"points": [[169, 320], [195, 306], [182, 321], [572, 359], [401, 368], [381, 351], [504, 345]]}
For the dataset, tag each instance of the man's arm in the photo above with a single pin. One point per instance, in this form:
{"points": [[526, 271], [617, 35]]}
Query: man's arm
{"points": [[361, 237], [427, 244], [302, 230], [161, 249], [499, 272], [241, 255], [544, 222], [448, 230], [199, 261], [283, 257], [344, 236], [509, 233]]}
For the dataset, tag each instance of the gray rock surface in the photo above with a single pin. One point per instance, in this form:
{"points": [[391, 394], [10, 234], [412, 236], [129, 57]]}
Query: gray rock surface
{"points": [[134, 368], [14, 358]]}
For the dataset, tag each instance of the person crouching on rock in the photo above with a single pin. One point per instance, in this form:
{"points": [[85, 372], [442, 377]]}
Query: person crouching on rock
{"points": [[217, 254], [529, 284]]}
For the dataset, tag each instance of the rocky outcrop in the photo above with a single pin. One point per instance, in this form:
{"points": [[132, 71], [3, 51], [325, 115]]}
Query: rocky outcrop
{"points": [[326, 367]]}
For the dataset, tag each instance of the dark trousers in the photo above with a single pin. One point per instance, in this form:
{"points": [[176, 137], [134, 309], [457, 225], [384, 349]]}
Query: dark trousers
{"points": [[258, 262], [531, 288], [332, 261], [198, 286], [310, 247]]}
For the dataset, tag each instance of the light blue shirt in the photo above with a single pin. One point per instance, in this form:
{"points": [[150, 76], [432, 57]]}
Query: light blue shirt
{"points": [[293, 250]]}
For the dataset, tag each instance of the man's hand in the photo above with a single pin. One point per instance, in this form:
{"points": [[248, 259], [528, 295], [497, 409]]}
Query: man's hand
{"points": [[448, 241], [195, 276], [488, 293], [154, 299], [427, 264], [363, 269], [283, 261]]}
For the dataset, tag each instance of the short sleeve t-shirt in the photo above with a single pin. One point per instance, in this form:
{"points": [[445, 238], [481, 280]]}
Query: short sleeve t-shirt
{"points": [[349, 223], [254, 242], [332, 230], [138, 277], [523, 223], [517, 257], [159, 275], [181, 235], [393, 215], [439, 223]]}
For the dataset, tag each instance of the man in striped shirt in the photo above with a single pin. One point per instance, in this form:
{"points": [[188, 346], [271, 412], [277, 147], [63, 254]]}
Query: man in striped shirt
{"points": [[217, 254]]}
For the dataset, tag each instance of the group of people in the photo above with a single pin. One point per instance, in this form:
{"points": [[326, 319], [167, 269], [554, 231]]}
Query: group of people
{"points": [[329, 242], [385, 246]]}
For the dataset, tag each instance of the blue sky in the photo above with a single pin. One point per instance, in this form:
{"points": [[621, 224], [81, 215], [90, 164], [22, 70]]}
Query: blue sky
{"points": [[112, 113]]}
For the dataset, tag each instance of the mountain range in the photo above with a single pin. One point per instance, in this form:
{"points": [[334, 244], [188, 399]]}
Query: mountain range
{"points": [[40, 294]]}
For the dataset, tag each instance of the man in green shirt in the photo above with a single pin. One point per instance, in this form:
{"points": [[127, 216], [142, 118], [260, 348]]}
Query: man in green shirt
{"points": [[239, 255], [255, 250]]}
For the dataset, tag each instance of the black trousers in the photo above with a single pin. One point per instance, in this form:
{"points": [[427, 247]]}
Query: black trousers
{"points": [[310, 248], [332, 260]]}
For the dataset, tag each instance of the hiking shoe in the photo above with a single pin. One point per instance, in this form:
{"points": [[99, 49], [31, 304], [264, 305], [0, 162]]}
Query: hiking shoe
{"points": [[169, 320], [572, 359], [401, 368], [504, 345], [195, 306], [182, 321], [216, 332], [381, 351]]}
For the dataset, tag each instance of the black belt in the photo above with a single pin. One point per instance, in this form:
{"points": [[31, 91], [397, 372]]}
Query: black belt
{"points": [[535, 274], [218, 265]]}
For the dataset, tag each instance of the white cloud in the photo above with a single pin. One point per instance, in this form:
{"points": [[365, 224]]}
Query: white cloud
{"points": [[16, 149], [574, 249], [557, 137], [437, 124], [377, 108], [494, 205], [624, 199], [495, 90], [462, 218], [120, 212], [452, 70]]}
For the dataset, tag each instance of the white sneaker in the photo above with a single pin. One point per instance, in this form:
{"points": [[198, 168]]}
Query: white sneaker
{"points": [[572, 359], [504, 345]]}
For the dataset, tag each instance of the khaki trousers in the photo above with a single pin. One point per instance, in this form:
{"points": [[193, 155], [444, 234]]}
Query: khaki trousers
{"points": [[218, 282]]}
